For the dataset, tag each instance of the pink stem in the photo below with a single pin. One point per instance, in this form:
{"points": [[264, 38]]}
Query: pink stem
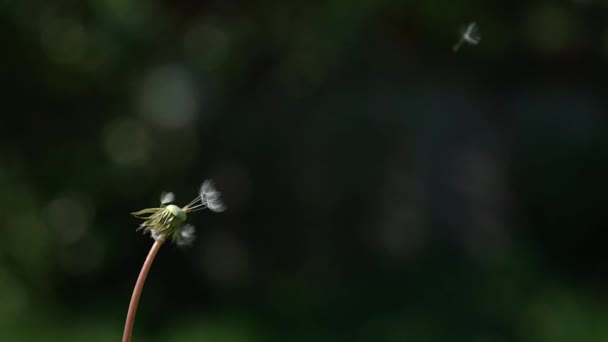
{"points": [[139, 285]]}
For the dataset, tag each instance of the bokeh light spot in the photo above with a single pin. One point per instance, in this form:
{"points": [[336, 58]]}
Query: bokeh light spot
{"points": [[63, 38], [69, 217], [125, 141], [13, 297], [206, 46], [550, 28], [27, 240], [168, 97], [85, 256], [224, 258]]}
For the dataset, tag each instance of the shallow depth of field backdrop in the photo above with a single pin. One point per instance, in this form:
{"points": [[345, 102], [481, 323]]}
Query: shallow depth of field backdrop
{"points": [[380, 186]]}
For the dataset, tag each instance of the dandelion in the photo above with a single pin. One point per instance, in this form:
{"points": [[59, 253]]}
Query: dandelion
{"points": [[162, 223], [469, 35]]}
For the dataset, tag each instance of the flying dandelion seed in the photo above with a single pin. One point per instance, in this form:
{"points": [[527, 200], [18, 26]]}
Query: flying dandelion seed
{"points": [[211, 197], [470, 35], [186, 235], [167, 197]]}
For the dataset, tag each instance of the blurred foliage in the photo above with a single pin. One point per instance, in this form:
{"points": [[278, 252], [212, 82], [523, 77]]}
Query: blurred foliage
{"points": [[380, 186]]}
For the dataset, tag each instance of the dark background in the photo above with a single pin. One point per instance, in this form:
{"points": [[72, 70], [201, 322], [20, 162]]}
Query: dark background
{"points": [[380, 186]]}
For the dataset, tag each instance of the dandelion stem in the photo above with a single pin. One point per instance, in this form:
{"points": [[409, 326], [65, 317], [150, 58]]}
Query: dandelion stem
{"points": [[457, 46], [139, 285]]}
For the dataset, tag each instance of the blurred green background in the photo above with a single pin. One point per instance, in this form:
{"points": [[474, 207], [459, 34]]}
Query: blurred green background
{"points": [[380, 186]]}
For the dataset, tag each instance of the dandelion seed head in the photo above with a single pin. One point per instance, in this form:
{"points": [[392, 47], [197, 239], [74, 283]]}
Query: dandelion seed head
{"points": [[177, 212], [167, 220], [161, 222]]}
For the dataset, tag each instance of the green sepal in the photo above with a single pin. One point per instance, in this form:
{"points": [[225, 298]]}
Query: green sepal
{"points": [[148, 211]]}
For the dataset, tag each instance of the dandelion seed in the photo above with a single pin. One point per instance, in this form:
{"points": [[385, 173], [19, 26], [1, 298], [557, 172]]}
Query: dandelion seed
{"points": [[155, 234], [211, 197], [167, 197], [470, 35], [186, 235]]}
